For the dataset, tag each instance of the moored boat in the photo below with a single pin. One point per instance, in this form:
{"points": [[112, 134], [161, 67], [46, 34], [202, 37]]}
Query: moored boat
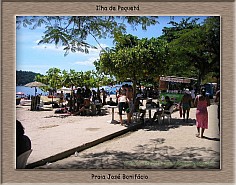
{"points": [[24, 102]]}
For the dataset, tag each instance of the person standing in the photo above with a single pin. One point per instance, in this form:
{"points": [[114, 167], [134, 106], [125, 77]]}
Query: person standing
{"points": [[99, 96], [201, 102], [186, 104], [79, 99], [122, 101], [87, 92], [104, 96]]}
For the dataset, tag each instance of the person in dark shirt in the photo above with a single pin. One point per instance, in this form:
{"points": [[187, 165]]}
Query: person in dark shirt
{"points": [[165, 106], [137, 107], [87, 93], [168, 103], [186, 104], [111, 102], [79, 99], [23, 142]]}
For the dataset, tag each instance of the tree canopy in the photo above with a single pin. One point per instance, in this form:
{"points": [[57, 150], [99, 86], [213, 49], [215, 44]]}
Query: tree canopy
{"points": [[195, 49], [56, 79], [133, 58], [72, 31], [187, 48]]}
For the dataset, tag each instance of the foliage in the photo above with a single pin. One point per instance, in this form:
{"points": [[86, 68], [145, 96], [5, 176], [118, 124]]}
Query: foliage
{"points": [[56, 79], [187, 48], [52, 79], [129, 59], [174, 31], [24, 77], [72, 31], [194, 49]]}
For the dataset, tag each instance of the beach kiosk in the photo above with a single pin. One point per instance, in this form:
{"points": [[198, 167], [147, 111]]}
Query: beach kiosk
{"points": [[173, 87]]}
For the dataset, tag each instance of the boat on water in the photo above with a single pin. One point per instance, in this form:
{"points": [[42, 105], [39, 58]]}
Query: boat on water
{"points": [[24, 102], [20, 100]]}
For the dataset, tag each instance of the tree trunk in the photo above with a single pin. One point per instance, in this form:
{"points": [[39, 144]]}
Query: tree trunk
{"points": [[134, 89], [199, 81]]}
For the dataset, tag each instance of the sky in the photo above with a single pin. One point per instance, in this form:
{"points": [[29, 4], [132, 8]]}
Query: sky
{"points": [[40, 58]]}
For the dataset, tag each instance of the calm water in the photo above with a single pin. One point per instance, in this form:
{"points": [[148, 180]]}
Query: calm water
{"points": [[29, 90]]}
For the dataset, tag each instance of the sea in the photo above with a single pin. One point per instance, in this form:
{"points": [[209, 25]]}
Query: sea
{"points": [[30, 91]]}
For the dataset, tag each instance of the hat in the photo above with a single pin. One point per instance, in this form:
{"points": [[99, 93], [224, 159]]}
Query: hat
{"points": [[187, 91]]}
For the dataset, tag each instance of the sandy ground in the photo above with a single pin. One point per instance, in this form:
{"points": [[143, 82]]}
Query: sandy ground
{"points": [[154, 146], [53, 133]]}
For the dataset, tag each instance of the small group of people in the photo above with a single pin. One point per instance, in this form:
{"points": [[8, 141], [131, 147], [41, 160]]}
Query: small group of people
{"points": [[80, 100], [125, 102], [96, 96], [201, 102], [128, 103]]}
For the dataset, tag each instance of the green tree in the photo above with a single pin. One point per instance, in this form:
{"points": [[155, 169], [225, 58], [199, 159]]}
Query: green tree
{"points": [[72, 31], [194, 49], [52, 79], [174, 31], [132, 58], [71, 79]]}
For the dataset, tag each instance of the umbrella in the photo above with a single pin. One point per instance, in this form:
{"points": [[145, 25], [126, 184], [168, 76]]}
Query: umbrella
{"points": [[35, 85]]}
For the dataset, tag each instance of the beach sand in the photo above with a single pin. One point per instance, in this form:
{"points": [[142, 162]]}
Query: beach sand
{"points": [[52, 133]]}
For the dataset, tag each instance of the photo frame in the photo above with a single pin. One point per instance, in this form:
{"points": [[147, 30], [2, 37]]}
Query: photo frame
{"points": [[10, 9]]}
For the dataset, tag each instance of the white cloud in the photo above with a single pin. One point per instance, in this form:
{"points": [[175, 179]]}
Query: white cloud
{"points": [[86, 62]]}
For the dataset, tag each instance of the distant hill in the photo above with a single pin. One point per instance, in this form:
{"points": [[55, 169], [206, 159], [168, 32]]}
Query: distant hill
{"points": [[24, 77]]}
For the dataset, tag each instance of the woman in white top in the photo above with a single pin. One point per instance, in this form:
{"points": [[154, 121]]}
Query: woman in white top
{"points": [[122, 104]]}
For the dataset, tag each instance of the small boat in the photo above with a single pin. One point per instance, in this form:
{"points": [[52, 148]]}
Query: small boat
{"points": [[25, 102]]}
